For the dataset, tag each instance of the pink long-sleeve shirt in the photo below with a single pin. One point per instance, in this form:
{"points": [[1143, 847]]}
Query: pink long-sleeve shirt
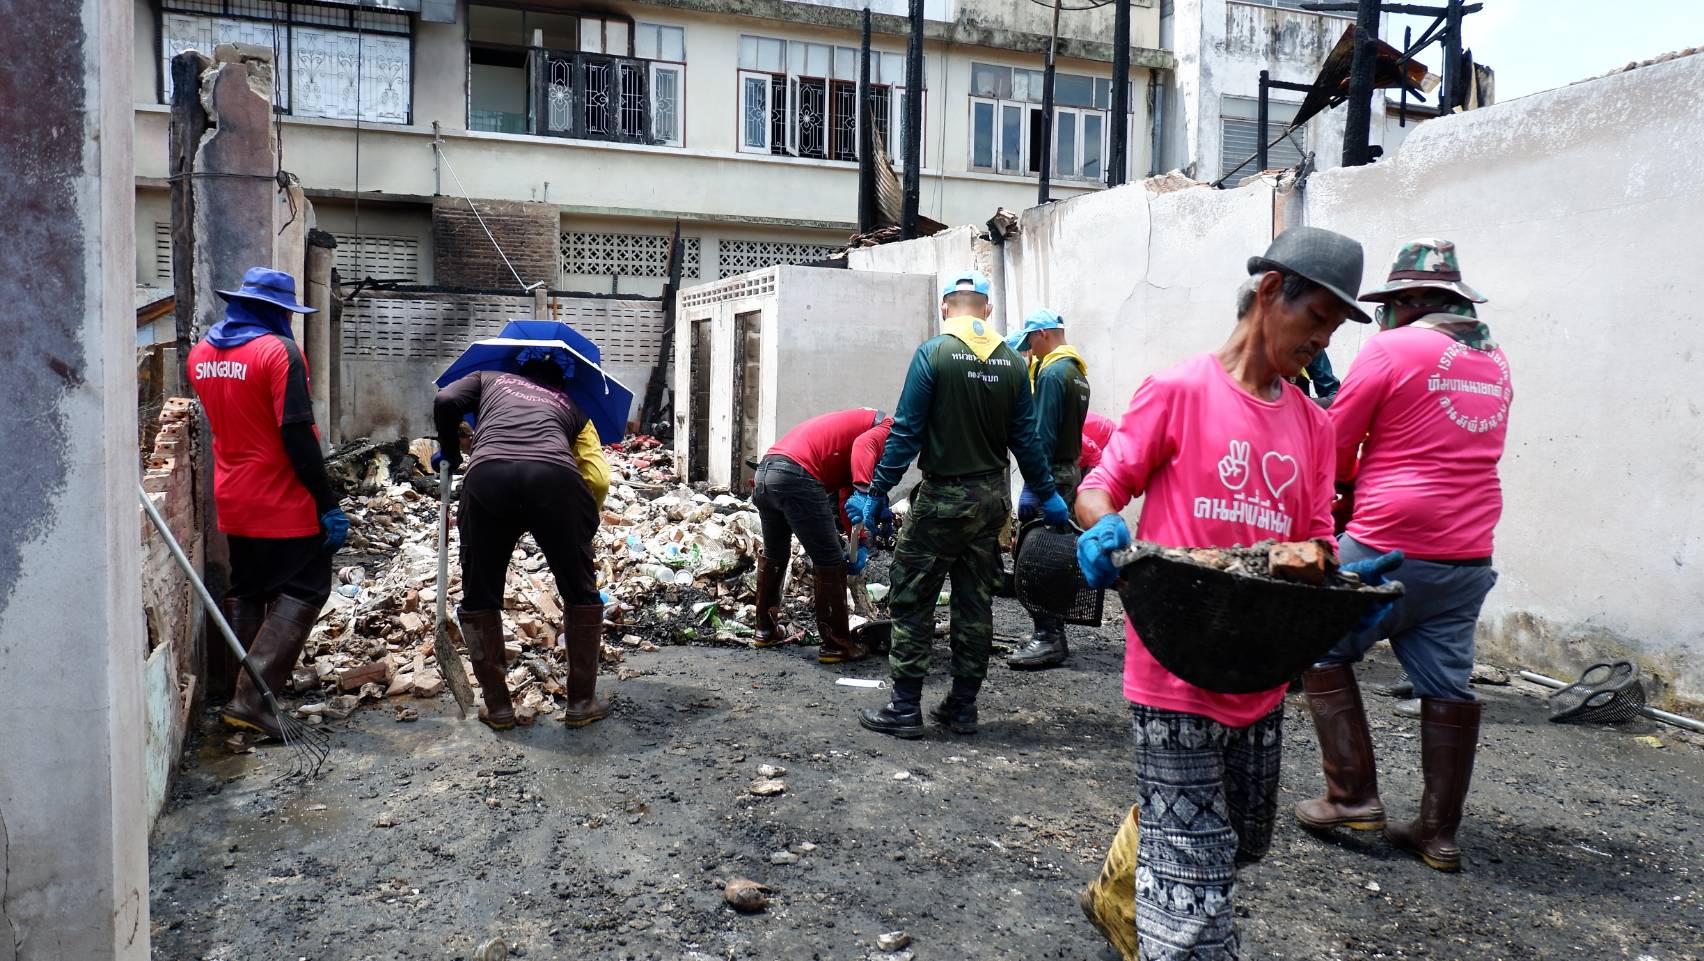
{"points": [[1218, 467], [1421, 423]]}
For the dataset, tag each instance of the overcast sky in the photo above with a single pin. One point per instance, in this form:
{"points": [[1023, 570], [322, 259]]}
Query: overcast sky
{"points": [[1539, 44]]}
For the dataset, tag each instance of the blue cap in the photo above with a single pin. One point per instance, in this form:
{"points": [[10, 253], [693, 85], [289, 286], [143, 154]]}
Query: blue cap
{"points": [[269, 287], [969, 282], [1042, 319]]}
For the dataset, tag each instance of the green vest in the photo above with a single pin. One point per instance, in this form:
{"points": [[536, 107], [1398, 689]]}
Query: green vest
{"points": [[1061, 406], [970, 414]]}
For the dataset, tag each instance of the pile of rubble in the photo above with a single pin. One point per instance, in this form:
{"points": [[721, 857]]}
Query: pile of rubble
{"points": [[675, 564]]}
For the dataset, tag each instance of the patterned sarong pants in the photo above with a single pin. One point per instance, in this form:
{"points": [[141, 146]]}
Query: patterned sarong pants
{"points": [[1207, 794]]}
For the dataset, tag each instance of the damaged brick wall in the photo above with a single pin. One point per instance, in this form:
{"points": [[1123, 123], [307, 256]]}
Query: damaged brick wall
{"points": [[169, 608], [463, 255]]}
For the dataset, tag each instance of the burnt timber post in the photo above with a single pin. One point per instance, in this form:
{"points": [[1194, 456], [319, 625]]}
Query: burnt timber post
{"points": [[1047, 110], [1357, 122], [913, 121], [1118, 163]]}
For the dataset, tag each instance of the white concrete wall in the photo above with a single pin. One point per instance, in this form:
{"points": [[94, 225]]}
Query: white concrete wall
{"points": [[1082, 23], [1574, 211], [831, 339], [836, 336], [1130, 306], [73, 818]]}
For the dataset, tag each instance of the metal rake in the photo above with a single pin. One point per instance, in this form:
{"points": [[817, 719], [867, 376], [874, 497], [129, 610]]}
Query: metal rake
{"points": [[309, 746]]}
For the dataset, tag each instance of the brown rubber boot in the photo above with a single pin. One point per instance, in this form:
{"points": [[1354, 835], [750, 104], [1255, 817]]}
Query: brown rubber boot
{"points": [[585, 641], [245, 617], [830, 596], [483, 631], [1346, 754], [277, 644], [1449, 737], [769, 575]]}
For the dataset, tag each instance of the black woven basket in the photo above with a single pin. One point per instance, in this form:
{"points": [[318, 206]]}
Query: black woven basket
{"points": [[1607, 693], [1047, 580], [1236, 633]]}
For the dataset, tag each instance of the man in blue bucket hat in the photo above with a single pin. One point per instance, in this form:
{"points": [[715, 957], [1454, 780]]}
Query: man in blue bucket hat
{"points": [[966, 402], [275, 503], [1059, 377]]}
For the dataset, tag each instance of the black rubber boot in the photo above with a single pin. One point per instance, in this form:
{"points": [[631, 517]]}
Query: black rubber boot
{"points": [[958, 712], [1046, 647], [901, 716]]}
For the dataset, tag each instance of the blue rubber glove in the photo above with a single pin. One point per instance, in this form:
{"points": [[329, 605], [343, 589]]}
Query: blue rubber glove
{"points": [[335, 523], [1095, 547], [884, 523], [1056, 512], [861, 508], [1372, 572], [856, 565], [1029, 506]]}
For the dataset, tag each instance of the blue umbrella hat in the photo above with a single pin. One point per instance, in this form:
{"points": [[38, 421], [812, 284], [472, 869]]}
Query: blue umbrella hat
{"points": [[603, 399]]}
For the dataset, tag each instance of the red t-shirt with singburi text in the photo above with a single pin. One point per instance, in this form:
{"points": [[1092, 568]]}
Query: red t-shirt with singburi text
{"points": [[249, 391]]}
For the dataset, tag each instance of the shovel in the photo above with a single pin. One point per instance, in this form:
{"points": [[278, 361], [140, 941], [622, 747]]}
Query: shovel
{"points": [[860, 593], [449, 662]]}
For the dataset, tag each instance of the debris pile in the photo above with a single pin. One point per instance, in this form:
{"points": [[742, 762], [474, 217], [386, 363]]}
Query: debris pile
{"points": [[674, 564]]}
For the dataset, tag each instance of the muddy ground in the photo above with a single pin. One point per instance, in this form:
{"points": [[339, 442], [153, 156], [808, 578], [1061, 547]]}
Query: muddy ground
{"points": [[613, 842]]}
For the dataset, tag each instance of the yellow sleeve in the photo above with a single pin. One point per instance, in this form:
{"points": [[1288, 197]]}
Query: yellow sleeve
{"points": [[588, 450]]}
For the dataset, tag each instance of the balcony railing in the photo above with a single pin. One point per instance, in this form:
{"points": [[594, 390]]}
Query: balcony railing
{"points": [[590, 96]]}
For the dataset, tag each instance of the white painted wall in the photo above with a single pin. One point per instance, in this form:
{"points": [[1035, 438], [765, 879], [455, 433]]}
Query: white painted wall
{"points": [[835, 334], [73, 813], [1573, 210], [831, 339]]}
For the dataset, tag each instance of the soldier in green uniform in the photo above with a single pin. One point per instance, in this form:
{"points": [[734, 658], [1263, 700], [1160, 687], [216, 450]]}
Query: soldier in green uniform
{"points": [[966, 402], [1059, 377]]}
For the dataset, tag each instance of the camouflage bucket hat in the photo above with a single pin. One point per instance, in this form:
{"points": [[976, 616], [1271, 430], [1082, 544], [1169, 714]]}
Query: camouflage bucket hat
{"points": [[1424, 265]]}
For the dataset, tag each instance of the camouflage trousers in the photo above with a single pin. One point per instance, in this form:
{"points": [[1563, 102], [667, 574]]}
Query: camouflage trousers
{"points": [[952, 531]]}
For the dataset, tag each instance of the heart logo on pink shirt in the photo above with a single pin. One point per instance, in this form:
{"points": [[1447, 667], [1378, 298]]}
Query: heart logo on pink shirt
{"points": [[1280, 472]]}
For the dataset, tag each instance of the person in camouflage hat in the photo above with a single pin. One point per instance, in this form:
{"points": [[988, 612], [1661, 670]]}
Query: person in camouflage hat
{"points": [[1420, 424]]}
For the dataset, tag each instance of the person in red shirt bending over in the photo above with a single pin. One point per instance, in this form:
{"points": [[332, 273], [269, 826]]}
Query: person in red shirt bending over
{"points": [[1420, 422], [1097, 433], [274, 501], [800, 485]]}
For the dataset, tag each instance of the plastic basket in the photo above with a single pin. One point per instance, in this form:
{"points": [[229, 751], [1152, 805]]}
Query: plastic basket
{"points": [[1607, 693], [1236, 633], [1047, 580]]}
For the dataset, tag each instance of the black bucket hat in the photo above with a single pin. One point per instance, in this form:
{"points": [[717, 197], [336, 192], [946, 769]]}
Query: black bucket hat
{"points": [[1324, 257]]}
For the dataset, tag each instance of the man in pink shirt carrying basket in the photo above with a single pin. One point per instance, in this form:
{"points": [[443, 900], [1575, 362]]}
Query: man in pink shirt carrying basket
{"points": [[1226, 452], [1420, 422]]}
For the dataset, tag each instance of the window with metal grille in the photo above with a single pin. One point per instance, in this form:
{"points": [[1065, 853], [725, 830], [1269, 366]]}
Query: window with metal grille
{"points": [[599, 254], [736, 257], [378, 257], [586, 76], [801, 99], [336, 62]]}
